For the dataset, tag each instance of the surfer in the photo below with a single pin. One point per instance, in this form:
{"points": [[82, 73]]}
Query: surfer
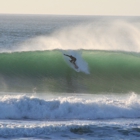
{"points": [[73, 59]]}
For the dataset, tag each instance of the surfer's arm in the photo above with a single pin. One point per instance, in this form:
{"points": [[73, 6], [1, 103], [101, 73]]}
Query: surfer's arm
{"points": [[66, 55]]}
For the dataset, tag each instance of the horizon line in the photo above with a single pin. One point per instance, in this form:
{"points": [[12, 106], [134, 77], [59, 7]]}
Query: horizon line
{"points": [[68, 15]]}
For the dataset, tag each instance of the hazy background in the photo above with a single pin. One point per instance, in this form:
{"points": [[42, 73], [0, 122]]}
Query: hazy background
{"points": [[71, 7]]}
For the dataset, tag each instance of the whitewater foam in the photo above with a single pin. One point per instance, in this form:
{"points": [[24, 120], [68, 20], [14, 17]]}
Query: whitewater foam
{"points": [[72, 129], [72, 107]]}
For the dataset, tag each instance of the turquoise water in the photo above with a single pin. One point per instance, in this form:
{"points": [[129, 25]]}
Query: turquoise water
{"points": [[47, 71]]}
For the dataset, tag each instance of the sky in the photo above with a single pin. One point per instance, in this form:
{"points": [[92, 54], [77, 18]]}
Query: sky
{"points": [[71, 7]]}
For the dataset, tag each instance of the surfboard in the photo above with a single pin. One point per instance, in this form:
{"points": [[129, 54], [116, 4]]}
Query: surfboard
{"points": [[75, 65]]}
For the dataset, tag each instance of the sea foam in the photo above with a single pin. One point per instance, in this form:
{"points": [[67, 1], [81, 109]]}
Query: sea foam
{"points": [[60, 108]]}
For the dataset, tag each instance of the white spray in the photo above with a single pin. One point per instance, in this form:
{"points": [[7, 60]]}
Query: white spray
{"points": [[112, 34]]}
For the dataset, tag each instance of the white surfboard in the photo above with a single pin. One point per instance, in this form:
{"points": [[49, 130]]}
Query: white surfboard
{"points": [[75, 65]]}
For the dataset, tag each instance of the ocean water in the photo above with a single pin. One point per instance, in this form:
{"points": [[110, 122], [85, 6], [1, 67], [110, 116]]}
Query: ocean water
{"points": [[42, 95]]}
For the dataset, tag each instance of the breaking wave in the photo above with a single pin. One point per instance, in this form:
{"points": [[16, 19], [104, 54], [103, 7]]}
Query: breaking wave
{"points": [[47, 71], [24, 107]]}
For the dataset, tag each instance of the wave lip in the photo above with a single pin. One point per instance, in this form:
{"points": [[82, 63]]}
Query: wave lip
{"points": [[24, 107]]}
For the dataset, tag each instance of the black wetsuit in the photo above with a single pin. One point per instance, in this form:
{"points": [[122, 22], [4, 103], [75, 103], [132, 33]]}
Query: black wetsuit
{"points": [[73, 59]]}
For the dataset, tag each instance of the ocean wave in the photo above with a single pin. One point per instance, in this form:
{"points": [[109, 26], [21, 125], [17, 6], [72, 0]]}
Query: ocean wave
{"points": [[49, 71], [25, 107], [122, 128]]}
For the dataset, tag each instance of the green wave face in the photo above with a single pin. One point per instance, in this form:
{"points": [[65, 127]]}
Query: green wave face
{"points": [[47, 71]]}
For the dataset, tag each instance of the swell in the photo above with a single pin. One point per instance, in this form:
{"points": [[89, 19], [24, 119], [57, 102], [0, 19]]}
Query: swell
{"points": [[48, 71], [51, 63], [32, 64]]}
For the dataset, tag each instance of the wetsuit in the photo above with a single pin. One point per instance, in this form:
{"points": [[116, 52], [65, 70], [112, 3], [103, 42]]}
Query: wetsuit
{"points": [[73, 59]]}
